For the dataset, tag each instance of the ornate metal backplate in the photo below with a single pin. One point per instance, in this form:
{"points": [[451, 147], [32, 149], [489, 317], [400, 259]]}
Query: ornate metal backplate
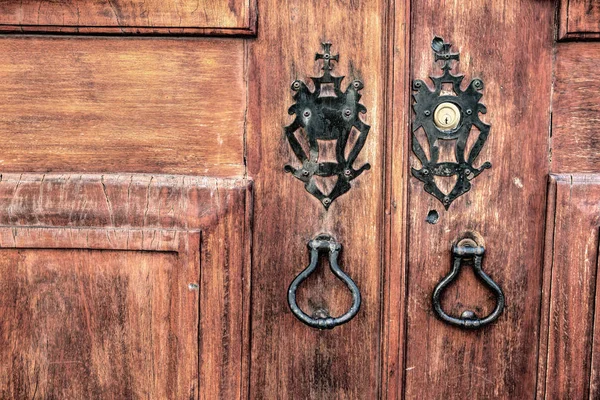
{"points": [[327, 115], [427, 103]]}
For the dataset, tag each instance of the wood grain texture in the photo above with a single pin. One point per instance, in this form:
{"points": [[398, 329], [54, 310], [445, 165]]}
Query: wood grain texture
{"points": [[91, 324], [573, 228], [164, 17], [130, 105], [579, 19], [509, 46], [289, 359], [119, 277], [575, 108], [396, 213]]}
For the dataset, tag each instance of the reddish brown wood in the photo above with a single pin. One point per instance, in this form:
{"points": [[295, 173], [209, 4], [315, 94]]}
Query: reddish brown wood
{"points": [[85, 324], [396, 169], [571, 291], [546, 282], [180, 106], [131, 105], [164, 17], [508, 46], [106, 280], [289, 359], [575, 108], [579, 19], [594, 378]]}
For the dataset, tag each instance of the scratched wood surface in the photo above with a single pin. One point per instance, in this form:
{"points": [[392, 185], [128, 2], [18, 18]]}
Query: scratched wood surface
{"points": [[569, 365], [396, 212], [205, 17], [509, 46], [78, 245], [579, 19], [575, 108], [122, 105], [91, 324], [291, 360], [107, 281]]}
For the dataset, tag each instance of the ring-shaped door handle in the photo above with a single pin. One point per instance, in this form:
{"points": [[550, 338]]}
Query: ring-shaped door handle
{"points": [[324, 243], [463, 250]]}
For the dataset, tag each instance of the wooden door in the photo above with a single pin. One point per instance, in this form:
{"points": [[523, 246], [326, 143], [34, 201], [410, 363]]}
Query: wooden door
{"points": [[125, 207], [150, 228]]}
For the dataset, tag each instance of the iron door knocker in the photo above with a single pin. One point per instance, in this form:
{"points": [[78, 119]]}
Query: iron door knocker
{"points": [[468, 249], [324, 243]]}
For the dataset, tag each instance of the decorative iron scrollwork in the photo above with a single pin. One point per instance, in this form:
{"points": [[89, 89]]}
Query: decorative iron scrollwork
{"points": [[327, 115], [444, 115], [464, 250], [324, 243]]}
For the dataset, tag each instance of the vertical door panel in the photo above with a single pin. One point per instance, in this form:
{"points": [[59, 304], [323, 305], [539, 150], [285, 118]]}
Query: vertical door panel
{"points": [[569, 365], [289, 359], [508, 45], [123, 286]]}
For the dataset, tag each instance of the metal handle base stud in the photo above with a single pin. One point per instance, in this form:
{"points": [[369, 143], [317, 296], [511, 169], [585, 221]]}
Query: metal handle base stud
{"points": [[319, 244], [463, 250]]}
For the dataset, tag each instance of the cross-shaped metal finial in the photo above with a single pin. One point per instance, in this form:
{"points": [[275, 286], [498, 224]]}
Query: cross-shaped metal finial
{"points": [[327, 58], [442, 52]]}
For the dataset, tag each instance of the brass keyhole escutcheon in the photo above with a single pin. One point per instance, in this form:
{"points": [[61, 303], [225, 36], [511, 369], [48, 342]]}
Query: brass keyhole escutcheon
{"points": [[446, 116]]}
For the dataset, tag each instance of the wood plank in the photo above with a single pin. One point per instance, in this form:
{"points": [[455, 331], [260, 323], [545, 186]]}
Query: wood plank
{"points": [[131, 105], [116, 200], [594, 376], [184, 242], [289, 359], [572, 258], [579, 19], [90, 238], [396, 193], [165, 17], [225, 298], [546, 283], [509, 46], [575, 108]]}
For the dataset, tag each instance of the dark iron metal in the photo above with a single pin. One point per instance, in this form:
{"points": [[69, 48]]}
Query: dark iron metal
{"points": [[324, 243], [467, 249], [467, 101], [327, 115]]}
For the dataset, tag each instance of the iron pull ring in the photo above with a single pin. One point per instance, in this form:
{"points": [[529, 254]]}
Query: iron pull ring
{"points": [[317, 245], [467, 249]]}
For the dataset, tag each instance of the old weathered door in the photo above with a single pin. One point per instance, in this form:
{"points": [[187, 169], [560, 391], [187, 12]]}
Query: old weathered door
{"points": [[170, 168], [397, 237], [125, 206]]}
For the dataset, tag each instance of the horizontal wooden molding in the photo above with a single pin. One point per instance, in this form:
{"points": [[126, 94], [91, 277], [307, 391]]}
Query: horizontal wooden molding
{"points": [[131, 17], [172, 202]]}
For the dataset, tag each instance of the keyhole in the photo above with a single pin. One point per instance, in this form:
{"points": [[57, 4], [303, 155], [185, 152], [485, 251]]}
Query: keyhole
{"points": [[446, 116]]}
